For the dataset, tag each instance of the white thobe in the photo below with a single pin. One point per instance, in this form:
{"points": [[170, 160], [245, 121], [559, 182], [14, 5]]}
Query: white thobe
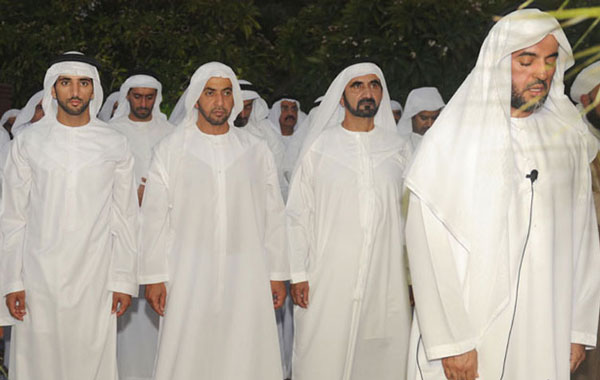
{"points": [[213, 229], [345, 236], [69, 228], [138, 328], [558, 297]]}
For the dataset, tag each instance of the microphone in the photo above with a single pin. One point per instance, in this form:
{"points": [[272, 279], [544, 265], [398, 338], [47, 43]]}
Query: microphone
{"points": [[532, 176]]}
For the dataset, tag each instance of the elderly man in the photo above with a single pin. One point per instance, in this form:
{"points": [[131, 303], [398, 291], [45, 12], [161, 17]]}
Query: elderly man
{"points": [[501, 232], [345, 235], [584, 92], [213, 241], [69, 225], [286, 116], [138, 117], [423, 106]]}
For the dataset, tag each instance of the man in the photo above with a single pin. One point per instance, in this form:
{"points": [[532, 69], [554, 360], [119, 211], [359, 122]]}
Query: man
{"points": [[213, 241], [68, 258], [31, 113], [397, 110], [423, 106], [138, 117], [109, 107], [286, 116], [8, 119], [584, 92], [504, 264], [344, 228]]}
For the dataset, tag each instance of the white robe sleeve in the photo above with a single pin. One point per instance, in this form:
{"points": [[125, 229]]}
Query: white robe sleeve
{"points": [[275, 238], [125, 210], [299, 216], [435, 263], [155, 226], [16, 185], [586, 286]]}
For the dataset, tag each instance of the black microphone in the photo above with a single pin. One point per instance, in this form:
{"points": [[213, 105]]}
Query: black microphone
{"points": [[532, 176]]}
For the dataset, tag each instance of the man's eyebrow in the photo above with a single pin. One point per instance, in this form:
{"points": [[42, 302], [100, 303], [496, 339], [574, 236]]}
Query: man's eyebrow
{"points": [[227, 89], [553, 55], [376, 81], [209, 89], [527, 54], [353, 83]]}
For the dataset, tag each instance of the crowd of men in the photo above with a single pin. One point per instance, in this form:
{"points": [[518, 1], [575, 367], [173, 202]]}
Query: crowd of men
{"points": [[135, 246]]}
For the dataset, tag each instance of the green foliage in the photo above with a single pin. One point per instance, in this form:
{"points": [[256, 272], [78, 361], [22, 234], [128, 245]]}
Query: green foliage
{"points": [[291, 47]]}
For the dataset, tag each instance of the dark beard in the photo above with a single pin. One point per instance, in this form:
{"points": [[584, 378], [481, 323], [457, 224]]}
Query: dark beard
{"points": [[593, 118], [139, 115], [212, 121], [240, 121], [367, 112], [517, 101], [70, 111]]}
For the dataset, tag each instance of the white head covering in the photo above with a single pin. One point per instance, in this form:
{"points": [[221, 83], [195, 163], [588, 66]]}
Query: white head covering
{"points": [[419, 99], [75, 68], [396, 106], [141, 80], [27, 112], [275, 112], [328, 114], [465, 170], [197, 84], [14, 112], [260, 108], [585, 82], [107, 107], [178, 112]]}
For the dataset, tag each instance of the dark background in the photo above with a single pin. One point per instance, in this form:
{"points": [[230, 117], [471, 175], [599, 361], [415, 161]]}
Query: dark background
{"points": [[283, 47]]}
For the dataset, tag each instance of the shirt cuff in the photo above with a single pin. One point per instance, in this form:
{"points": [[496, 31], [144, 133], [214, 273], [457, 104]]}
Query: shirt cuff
{"points": [[588, 340], [13, 287], [279, 276], [153, 279], [298, 277], [123, 287]]}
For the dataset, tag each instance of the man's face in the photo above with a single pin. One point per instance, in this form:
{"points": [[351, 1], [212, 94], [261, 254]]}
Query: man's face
{"points": [[397, 115], [243, 117], [73, 93], [141, 101], [422, 121], [9, 123], [593, 115], [216, 101], [362, 96], [532, 72], [289, 114], [39, 112]]}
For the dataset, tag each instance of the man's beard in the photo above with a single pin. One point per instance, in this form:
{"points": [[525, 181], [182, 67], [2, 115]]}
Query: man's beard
{"points": [[593, 118], [367, 112], [141, 112], [213, 121], [72, 111], [240, 121], [517, 101]]}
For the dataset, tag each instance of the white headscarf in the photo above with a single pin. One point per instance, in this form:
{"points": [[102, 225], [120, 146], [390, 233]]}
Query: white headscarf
{"points": [[419, 99], [13, 112], [328, 114], [107, 108], [585, 82], [396, 106], [465, 170], [123, 109], [83, 69], [197, 84], [275, 112], [27, 112], [178, 112], [260, 108]]}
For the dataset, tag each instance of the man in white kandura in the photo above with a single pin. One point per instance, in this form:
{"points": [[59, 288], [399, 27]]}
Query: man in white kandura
{"points": [[423, 106], [345, 225], [213, 249], [501, 231], [69, 233], [139, 118]]}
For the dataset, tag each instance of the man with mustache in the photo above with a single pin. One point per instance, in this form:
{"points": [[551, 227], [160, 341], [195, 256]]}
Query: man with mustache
{"points": [[138, 117], [286, 116], [344, 221], [501, 230], [213, 241], [68, 261]]}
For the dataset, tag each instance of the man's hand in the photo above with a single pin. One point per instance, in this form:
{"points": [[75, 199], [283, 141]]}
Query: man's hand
{"points": [[16, 304], [141, 189], [278, 291], [121, 302], [577, 356], [156, 294], [461, 367], [300, 294]]}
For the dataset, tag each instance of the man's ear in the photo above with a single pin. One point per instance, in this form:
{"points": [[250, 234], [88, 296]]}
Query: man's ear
{"points": [[53, 92], [342, 100], [585, 100]]}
